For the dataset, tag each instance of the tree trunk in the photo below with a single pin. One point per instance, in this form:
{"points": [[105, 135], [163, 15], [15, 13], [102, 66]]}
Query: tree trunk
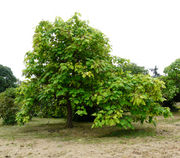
{"points": [[69, 116]]}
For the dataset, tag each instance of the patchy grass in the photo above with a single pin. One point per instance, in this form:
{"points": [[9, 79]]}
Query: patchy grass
{"points": [[40, 137], [54, 128]]}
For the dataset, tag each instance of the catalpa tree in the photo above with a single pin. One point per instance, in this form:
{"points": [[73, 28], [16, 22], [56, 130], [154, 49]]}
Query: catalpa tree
{"points": [[67, 60], [70, 66]]}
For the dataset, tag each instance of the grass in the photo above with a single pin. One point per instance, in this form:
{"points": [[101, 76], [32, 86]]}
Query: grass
{"points": [[49, 138], [82, 132]]}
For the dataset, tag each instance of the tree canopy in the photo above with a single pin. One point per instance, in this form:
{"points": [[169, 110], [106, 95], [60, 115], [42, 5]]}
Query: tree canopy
{"points": [[66, 63], [135, 69], [128, 98], [7, 79], [173, 73], [70, 66], [172, 82]]}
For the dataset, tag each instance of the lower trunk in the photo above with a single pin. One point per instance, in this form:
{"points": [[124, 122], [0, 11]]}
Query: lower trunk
{"points": [[69, 117]]}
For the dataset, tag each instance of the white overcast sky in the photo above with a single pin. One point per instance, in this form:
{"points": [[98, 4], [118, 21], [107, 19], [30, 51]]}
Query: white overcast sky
{"points": [[145, 31]]}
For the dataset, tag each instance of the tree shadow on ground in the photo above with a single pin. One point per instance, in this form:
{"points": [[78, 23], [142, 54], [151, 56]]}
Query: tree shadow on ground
{"points": [[84, 130], [131, 133], [49, 127], [55, 128]]}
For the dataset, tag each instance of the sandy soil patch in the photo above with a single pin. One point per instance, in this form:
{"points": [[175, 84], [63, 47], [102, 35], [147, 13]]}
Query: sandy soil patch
{"points": [[55, 149]]}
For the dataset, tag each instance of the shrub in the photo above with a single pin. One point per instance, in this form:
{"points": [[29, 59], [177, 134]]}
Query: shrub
{"points": [[8, 108], [172, 82]]}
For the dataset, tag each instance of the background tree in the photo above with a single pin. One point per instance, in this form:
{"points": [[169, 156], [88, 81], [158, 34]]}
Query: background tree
{"points": [[8, 108], [7, 79], [172, 82], [135, 69]]}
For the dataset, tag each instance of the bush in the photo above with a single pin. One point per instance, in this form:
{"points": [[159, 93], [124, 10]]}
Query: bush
{"points": [[172, 82], [8, 108]]}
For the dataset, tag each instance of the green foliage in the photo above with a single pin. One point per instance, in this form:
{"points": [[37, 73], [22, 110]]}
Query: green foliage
{"points": [[172, 83], [7, 79], [8, 108], [67, 61], [135, 69], [128, 98], [88, 116], [173, 76], [171, 90], [70, 67]]}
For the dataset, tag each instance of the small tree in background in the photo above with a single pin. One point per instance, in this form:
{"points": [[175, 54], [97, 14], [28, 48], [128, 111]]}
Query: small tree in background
{"points": [[8, 108], [135, 69], [7, 79], [172, 83]]}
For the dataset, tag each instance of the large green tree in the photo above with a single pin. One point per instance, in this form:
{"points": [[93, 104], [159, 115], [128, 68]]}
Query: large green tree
{"points": [[7, 79], [70, 67], [67, 60]]}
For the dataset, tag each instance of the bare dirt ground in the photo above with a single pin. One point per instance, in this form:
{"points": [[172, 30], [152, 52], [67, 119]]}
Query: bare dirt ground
{"points": [[45, 138], [53, 149]]}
